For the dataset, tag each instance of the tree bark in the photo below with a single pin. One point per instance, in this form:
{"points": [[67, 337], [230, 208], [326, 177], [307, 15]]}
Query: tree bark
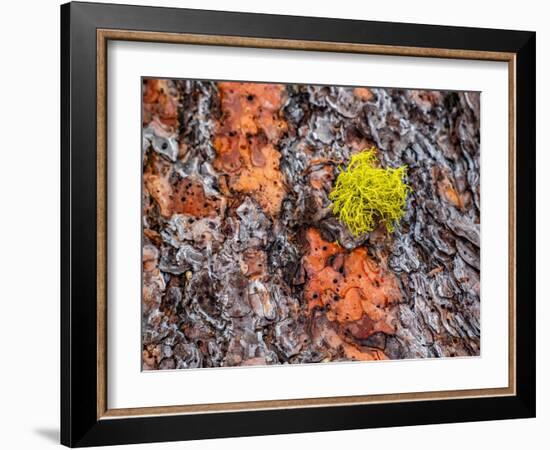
{"points": [[244, 262]]}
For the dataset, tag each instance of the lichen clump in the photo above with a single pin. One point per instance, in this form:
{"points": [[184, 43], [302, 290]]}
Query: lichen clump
{"points": [[366, 193]]}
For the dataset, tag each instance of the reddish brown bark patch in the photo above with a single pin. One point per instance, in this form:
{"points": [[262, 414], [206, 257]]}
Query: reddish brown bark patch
{"points": [[176, 195], [245, 140], [322, 178], [160, 101], [254, 263], [449, 190], [364, 94], [350, 288], [189, 198]]}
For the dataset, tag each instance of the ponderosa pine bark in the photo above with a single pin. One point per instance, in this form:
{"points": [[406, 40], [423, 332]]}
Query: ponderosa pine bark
{"points": [[244, 262]]}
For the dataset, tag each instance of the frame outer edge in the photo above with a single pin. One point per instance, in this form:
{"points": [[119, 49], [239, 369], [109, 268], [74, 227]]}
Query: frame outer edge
{"points": [[526, 225], [79, 426], [79, 227], [65, 369]]}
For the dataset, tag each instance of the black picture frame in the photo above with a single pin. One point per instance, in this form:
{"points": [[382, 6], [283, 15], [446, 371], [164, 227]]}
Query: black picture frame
{"points": [[80, 424]]}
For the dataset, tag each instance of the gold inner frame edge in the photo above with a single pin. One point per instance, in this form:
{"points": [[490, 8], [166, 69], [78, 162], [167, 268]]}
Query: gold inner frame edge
{"points": [[103, 36]]}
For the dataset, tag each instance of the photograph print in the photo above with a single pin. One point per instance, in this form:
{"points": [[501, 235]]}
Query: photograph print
{"points": [[298, 224]]}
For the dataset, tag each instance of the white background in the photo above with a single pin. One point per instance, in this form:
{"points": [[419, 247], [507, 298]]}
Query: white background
{"points": [[128, 387], [29, 390]]}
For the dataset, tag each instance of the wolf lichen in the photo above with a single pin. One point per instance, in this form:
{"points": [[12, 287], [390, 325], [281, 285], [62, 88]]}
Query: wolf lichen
{"points": [[365, 193]]}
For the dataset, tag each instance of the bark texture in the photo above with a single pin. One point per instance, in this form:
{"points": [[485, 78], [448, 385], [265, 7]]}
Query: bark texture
{"points": [[244, 262]]}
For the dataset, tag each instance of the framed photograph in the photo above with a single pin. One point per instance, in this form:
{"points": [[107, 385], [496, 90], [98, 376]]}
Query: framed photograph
{"points": [[277, 224]]}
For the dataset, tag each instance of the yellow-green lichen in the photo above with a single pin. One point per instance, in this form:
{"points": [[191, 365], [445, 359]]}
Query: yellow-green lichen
{"points": [[365, 193]]}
